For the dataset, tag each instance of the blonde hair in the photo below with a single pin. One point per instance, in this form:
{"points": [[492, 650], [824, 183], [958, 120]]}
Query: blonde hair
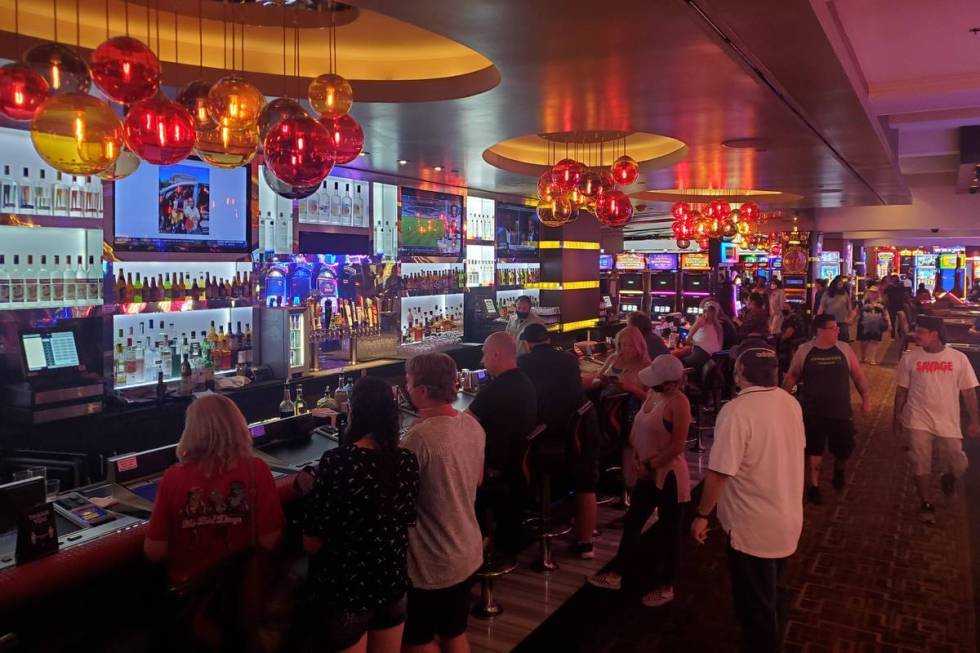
{"points": [[215, 435], [631, 348]]}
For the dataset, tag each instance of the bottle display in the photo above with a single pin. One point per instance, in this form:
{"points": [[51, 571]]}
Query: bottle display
{"points": [[433, 282], [517, 276], [158, 345], [286, 407], [172, 286]]}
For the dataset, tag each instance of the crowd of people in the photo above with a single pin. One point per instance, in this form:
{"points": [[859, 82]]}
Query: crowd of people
{"points": [[396, 524]]}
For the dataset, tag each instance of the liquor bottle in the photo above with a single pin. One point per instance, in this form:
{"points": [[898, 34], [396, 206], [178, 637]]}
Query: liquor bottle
{"points": [[161, 389], [358, 208], [82, 296], [300, 406], [248, 337], [226, 289], [8, 191], [43, 283], [93, 193], [121, 296], [57, 283], [30, 281], [186, 377], [69, 291], [151, 360], [346, 207], [208, 291], [42, 194], [76, 205], [284, 233], [18, 292], [286, 407], [25, 199], [138, 289], [166, 354], [130, 358], [129, 287], [168, 288], [119, 362], [335, 203], [152, 290], [5, 299], [93, 276], [187, 286], [61, 195], [323, 202]]}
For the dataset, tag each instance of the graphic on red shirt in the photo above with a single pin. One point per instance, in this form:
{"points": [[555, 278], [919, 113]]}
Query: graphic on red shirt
{"points": [[215, 509], [931, 367]]}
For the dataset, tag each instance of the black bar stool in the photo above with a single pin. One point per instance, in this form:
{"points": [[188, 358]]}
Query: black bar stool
{"points": [[541, 524]]}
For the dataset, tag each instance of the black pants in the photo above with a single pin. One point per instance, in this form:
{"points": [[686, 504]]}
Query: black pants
{"points": [[647, 567], [760, 599]]}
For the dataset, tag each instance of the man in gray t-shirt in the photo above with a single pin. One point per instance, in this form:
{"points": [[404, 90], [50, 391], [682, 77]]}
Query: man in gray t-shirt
{"points": [[445, 548]]}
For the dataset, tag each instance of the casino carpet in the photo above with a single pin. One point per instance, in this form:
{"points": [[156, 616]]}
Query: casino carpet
{"points": [[868, 576]]}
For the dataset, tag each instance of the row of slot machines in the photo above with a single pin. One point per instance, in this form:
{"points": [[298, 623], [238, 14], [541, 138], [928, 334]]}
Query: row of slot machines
{"points": [[659, 283]]}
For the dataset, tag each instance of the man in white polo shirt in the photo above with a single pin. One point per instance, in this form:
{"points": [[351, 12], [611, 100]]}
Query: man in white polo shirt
{"points": [[755, 476], [931, 381]]}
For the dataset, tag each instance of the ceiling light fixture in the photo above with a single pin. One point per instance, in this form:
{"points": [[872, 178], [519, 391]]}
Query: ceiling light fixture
{"points": [[437, 168], [402, 162]]}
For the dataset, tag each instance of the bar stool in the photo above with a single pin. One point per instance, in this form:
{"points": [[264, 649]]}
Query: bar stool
{"points": [[541, 524], [494, 566]]}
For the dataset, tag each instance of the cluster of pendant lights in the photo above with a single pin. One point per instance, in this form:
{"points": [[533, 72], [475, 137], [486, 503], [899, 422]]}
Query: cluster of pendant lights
{"points": [[718, 220], [571, 188], [224, 122]]}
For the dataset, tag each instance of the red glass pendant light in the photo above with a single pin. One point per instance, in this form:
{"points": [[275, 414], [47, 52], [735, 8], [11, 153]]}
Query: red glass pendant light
{"points": [[299, 151], [159, 131], [125, 69], [22, 90]]}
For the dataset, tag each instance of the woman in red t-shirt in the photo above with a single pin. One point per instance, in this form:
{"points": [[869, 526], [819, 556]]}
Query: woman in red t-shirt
{"points": [[206, 502]]}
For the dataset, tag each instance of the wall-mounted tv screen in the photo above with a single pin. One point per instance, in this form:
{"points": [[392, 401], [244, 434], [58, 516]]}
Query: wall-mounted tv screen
{"points": [[605, 262], [431, 224], [185, 207], [518, 231]]}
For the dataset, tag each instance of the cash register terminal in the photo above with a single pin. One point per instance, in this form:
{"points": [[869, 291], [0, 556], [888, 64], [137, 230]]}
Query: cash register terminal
{"points": [[54, 383]]}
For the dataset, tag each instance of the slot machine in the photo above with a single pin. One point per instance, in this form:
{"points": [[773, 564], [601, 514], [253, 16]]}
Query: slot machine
{"points": [[663, 283], [631, 292], [925, 271], [695, 273]]}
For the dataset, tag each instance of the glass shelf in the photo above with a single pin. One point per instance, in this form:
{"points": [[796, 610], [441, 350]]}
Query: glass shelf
{"points": [[176, 306]]}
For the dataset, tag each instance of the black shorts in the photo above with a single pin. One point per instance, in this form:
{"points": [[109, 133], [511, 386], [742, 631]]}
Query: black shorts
{"points": [[442, 612], [339, 628], [824, 433]]}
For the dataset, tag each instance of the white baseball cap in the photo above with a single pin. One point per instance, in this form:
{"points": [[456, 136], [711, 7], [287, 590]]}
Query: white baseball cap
{"points": [[664, 369]]}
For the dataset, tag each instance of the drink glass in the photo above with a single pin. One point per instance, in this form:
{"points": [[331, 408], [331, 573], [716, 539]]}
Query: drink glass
{"points": [[52, 487], [30, 472]]}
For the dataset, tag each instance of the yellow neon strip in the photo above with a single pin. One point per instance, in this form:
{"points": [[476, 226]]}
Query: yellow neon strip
{"points": [[566, 285], [581, 324], [567, 244]]}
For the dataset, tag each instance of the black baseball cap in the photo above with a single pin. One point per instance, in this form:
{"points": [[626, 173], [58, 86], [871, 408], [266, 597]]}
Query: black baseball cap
{"points": [[932, 323], [535, 333]]}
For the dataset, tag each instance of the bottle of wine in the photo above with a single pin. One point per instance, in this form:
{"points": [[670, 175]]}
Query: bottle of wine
{"points": [[300, 406], [286, 406], [186, 377]]}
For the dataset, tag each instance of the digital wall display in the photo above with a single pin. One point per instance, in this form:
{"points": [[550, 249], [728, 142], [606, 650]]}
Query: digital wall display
{"points": [[662, 261], [695, 261], [728, 253], [605, 262], [627, 261], [187, 207], [431, 224], [518, 231]]}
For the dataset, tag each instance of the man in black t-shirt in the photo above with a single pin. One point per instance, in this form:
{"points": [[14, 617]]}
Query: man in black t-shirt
{"points": [[558, 382], [825, 367], [507, 410]]}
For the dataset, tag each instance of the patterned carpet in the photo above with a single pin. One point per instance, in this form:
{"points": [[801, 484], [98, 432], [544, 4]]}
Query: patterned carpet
{"points": [[867, 576]]}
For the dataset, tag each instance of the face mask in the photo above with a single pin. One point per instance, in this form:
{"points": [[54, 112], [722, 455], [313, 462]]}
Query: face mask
{"points": [[521, 315]]}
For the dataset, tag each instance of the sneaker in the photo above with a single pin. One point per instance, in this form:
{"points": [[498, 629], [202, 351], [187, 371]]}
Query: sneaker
{"points": [[927, 513], [607, 580], [813, 495], [657, 598], [948, 483], [839, 480], [584, 550]]}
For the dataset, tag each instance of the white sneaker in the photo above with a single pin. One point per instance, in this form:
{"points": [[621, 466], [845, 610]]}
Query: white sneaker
{"points": [[608, 580], [657, 598]]}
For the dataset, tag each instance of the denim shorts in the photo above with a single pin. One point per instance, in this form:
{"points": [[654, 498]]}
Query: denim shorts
{"points": [[340, 628]]}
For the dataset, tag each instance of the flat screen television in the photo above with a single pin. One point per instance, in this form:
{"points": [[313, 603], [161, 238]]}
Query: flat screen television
{"points": [[185, 207], [518, 231], [431, 224], [605, 262]]}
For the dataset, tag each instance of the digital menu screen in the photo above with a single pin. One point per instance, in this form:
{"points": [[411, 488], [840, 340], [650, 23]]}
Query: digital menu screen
{"points": [[517, 231], [627, 261], [186, 207], [662, 261], [49, 350], [431, 224], [695, 261]]}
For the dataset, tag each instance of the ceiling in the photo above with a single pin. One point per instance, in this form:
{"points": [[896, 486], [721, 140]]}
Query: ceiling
{"points": [[840, 101]]}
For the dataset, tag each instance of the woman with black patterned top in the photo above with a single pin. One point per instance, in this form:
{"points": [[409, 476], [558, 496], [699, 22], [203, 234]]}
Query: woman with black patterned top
{"points": [[356, 528]]}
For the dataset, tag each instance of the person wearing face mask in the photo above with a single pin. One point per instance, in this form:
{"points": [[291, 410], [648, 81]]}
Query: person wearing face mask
{"points": [[755, 478], [777, 304], [522, 316]]}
